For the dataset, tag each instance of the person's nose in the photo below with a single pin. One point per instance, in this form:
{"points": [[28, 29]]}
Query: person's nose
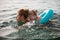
{"points": [[28, 19]]}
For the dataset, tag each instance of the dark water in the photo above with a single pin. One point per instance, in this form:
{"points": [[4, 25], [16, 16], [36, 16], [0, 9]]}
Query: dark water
{"points": [[47, 32], [8, 11]]}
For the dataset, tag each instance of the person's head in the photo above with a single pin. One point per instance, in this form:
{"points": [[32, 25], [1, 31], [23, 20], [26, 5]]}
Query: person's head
{"points": [[22, 15]]}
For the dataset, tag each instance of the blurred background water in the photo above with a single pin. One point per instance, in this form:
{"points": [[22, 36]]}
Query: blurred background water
{"points": [[8, 11]]}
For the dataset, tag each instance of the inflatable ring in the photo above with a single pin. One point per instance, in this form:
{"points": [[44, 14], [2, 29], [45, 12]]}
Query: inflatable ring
{"points": [[45, 16]]}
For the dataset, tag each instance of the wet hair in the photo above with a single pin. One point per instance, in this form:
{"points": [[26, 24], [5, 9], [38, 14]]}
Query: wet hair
{"points": [[23, 12]]}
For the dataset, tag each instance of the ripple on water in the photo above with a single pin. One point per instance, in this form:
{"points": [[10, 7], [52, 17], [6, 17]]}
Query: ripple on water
{"points": [[48, 31]]}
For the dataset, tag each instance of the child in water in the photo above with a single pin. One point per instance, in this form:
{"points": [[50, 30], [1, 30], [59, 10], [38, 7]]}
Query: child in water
{"points": [[26, 17]]}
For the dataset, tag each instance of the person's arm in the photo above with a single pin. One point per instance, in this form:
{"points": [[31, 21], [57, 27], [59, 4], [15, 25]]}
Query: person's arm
{"points": [[37, 20]]}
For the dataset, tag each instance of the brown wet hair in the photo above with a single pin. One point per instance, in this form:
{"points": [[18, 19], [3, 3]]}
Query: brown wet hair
{"points": [[22, 12]]}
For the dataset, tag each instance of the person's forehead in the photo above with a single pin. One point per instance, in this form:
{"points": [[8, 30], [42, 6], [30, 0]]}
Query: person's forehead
{"points": [[31, 12]]}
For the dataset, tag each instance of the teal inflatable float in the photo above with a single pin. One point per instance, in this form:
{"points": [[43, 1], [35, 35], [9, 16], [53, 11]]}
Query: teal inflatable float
{"points": [[45, 16]]}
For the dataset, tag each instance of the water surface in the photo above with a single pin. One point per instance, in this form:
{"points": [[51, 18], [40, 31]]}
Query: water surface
{"points": [[8, 11]]}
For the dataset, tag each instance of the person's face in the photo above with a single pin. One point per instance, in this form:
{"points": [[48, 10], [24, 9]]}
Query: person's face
{"points": [[31, 16]]}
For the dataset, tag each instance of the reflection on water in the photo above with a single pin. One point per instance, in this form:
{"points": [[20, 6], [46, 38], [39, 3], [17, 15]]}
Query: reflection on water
{"points": [[8, 10]]}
